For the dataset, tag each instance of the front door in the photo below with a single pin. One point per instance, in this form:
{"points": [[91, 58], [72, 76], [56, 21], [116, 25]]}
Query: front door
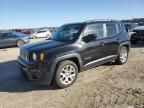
{"points": [[93, 52]]}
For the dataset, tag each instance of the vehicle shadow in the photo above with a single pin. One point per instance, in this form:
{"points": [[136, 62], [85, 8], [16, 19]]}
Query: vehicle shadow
{"points": [[11, 80], [112, 63]]}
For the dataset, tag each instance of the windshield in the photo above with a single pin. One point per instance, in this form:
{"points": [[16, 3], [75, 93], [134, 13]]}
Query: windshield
{"points": [[67, 32]]}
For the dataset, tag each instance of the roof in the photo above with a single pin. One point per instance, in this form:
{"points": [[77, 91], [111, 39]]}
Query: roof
{"points": [[101, 20], [95, 20]]}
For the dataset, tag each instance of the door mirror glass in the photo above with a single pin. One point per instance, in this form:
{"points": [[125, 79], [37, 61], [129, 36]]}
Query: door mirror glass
{"points": [[89, 38]]}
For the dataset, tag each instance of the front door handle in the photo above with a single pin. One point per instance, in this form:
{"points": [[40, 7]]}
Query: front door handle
{"points": [[102, 43]]}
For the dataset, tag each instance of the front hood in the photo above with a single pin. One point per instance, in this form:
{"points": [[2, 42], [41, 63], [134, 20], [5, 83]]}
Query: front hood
{"points": [[42, 45]]}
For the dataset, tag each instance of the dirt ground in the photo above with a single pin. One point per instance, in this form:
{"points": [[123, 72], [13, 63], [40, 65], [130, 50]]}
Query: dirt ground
{"points": [[106, 86]]}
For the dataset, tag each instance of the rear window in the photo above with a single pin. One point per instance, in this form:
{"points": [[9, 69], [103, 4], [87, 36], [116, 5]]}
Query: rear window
{"points": [[111, 29]]}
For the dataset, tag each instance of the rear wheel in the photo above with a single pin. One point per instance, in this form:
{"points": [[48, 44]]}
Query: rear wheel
{"points": [[123, 56], [66, 74], [20, 43]]}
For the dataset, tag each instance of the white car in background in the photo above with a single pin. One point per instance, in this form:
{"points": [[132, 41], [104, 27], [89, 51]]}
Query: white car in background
{"points": [[41, 34]]}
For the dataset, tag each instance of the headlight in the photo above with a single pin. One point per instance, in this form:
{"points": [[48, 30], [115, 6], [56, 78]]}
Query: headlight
{"points": [[34, 56]]}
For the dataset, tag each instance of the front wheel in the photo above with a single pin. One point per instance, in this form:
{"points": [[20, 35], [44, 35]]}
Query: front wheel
{"points": [[66, 74], [123, 56]]}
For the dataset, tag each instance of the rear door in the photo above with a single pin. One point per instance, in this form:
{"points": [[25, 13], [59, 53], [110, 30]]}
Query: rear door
{"points": [[113, 31], [8, 39]]}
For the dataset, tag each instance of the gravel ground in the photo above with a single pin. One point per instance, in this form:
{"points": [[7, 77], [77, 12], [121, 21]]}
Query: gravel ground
{"points": [[106, 86]]}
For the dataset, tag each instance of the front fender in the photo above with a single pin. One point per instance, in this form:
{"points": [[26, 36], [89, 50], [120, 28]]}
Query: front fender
{"points": [[62, 58]]}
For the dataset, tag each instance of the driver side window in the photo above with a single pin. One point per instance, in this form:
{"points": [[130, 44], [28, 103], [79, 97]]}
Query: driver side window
{"points": [[95, 29]]}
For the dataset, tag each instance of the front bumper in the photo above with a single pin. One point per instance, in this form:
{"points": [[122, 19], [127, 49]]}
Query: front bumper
{"points": [[35, 73]]}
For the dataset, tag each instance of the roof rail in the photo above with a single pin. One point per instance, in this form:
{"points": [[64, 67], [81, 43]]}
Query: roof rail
{"points": [[101, 20]]}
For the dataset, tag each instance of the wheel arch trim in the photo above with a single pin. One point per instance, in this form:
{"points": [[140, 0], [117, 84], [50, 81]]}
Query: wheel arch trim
{"points": [[124, 44], [62, 58]]}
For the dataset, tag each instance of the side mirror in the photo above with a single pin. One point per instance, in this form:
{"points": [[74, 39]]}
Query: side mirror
{"points": [[89, 38]]}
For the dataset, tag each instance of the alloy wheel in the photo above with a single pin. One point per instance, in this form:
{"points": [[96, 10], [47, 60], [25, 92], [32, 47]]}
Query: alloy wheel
{"points": [[123, 55], [67, 74]]}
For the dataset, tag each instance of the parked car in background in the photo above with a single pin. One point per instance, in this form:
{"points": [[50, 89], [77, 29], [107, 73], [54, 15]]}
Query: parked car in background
{"points": [[41, 34], [74, 48], [13, 39], [28, 32], [130, 26], [138, 35]]}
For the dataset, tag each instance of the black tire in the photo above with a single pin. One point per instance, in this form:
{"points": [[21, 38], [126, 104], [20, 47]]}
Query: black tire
{"points": [[134, 41], [58, 78], [20, 43], [121, 60]]}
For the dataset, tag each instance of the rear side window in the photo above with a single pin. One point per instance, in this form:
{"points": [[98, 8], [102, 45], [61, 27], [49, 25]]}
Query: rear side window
{"points": [[111, 29], [96, 29], [123, 28], [119, 28]]}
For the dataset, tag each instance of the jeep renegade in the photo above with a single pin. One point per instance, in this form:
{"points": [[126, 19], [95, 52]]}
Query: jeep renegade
{"points": [[73, 48]]}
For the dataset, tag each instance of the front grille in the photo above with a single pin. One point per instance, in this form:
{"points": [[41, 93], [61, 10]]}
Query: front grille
{"points": [[24, 55]]}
